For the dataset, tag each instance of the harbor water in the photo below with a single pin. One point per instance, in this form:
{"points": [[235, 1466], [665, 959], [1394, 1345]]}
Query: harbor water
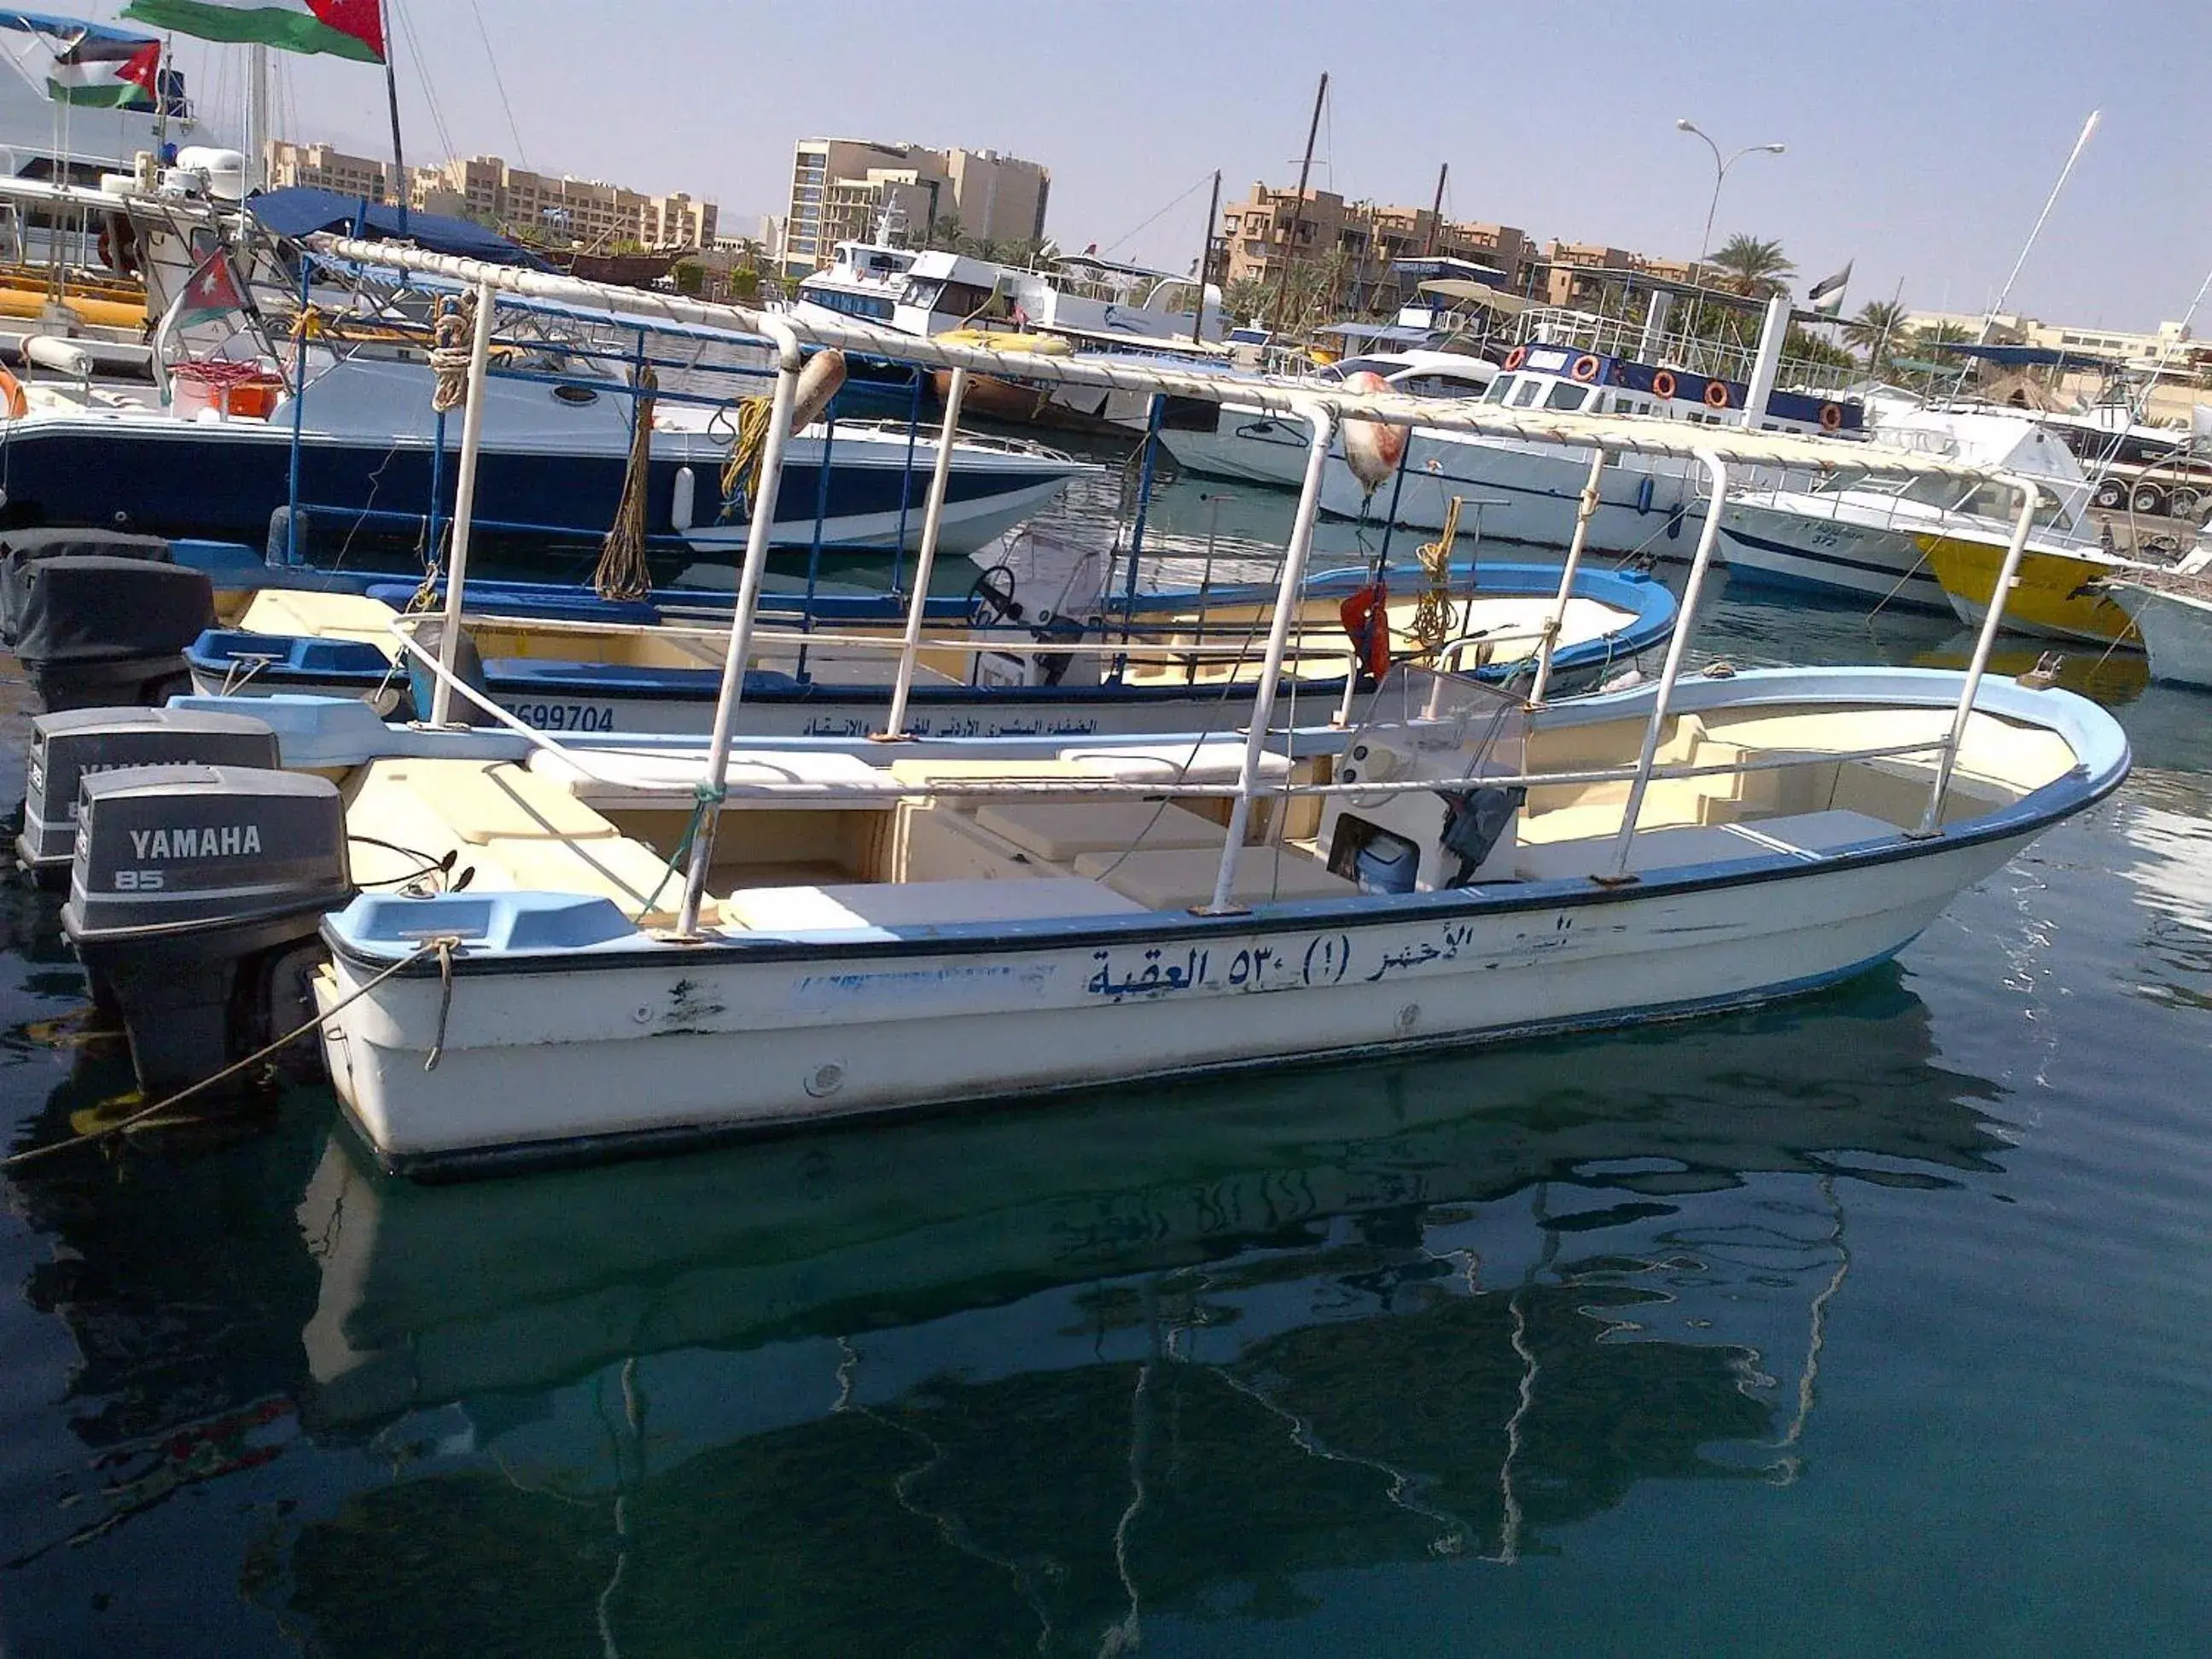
{"points": [[1877, 1322]]}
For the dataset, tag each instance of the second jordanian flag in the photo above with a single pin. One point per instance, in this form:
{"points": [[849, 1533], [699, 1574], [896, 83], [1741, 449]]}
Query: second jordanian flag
{"points": [[348, 28]]}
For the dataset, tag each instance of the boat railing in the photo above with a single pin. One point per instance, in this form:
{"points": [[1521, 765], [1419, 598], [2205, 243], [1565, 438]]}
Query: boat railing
{"points": [[1675, 349], [1322, 408], [581, 758]]}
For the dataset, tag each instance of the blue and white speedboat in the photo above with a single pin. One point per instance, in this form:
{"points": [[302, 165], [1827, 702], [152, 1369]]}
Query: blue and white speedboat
{"points": [[987, 671]]}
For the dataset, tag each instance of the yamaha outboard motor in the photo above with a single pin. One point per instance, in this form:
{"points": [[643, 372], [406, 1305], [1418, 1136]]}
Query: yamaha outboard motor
{"points": [[98, 617], [195, 898], [68, 747]]}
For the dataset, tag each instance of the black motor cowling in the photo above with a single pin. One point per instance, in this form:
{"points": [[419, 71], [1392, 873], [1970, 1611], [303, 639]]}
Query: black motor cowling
{"points": [[98, 617], [68, 747], [195, 898]]}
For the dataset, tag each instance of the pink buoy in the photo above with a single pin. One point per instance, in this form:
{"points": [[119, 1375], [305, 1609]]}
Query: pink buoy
{"points": [[1371, 449]]}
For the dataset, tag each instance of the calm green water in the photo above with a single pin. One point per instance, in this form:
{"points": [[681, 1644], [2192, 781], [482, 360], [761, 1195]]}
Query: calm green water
{"points": [[1874, 1323]]}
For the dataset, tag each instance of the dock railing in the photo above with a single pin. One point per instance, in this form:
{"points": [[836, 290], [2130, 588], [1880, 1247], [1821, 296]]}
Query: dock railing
{"points": [[1321, 408]]}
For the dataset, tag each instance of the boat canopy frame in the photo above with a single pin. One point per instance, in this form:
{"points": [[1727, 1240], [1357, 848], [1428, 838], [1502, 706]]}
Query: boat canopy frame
{"points": [[1322, 408]]}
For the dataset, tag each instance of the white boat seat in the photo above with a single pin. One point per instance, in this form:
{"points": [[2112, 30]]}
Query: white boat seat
{"points": [[1805, 835], [1060, 832], [478, 801], [897, 909], [636, 779], [1182, 878], [1220, 761]]}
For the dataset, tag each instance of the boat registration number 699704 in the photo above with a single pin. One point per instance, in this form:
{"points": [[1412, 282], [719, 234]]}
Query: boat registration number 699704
{"points": [[564, 716]]}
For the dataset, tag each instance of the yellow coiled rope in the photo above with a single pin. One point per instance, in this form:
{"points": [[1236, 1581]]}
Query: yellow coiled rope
{"points": [[1432, 619], [741, 472]]}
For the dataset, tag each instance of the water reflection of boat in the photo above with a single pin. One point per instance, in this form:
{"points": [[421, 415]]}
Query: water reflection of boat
{"points": [[1400, 1324], [2112, 678]]}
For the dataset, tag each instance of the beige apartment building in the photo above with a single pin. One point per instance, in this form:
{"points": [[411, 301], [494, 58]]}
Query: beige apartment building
{"points": [[842, 188], [485, 188], [1270, 225]]}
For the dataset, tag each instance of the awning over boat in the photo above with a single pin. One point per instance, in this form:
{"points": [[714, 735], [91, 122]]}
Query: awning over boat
{"points": [[2025, 356], [1379, 333], [1475, 294], [300, 211]]}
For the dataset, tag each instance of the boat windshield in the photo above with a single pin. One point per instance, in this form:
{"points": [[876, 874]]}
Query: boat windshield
{"points": [[1499, 387], [1527, 393], [1566, 395]]}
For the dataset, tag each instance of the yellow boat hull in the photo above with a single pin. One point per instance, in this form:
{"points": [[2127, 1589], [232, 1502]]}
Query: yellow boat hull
{"points": [[2052, 595], [30, 304]]}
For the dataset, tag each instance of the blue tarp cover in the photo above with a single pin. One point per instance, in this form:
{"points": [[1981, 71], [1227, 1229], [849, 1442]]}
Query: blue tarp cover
{"points": [[301, 211]]}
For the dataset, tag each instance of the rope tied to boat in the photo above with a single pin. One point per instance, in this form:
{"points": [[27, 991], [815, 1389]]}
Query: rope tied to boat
{"points": [[449, 352], [706, 797], [622, 573], [1432, 620], [749, 420], [443, 946]]}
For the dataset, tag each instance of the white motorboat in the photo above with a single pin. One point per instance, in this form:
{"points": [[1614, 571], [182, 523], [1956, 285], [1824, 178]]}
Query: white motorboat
{"points": [[1859, 537], [655, 946], [2172, 613], [1648, 500]]}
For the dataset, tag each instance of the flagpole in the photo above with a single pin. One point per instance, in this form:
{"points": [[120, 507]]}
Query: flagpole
{"points": [[391, 98]]}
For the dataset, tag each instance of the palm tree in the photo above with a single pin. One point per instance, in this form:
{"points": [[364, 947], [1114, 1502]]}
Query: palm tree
{"points": [[945, 232], [1754, 268], [1878, 327]]}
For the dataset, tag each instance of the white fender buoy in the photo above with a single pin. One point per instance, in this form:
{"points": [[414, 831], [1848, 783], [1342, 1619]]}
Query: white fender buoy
{"points": [[1371, 449], [682, 498], [818, 383]]}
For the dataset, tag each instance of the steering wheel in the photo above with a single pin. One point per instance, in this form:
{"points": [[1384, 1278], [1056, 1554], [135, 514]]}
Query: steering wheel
{"points": [[991, 597]]}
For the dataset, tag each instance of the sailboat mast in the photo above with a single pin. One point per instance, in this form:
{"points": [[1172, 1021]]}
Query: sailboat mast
{"points": [[1297, 207], [1205, 260], [257, 116], [391, 100], [1436, 210]]}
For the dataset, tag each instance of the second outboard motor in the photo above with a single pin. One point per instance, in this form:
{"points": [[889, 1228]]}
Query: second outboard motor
{"points": [[195, 900], [68, 747], [98, 617]]}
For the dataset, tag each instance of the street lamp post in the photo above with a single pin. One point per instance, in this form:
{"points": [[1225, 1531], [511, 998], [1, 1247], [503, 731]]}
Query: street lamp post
{"points": [[1720, 173]]}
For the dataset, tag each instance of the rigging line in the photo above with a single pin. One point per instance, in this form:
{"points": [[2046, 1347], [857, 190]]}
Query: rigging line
{"points": [[422, 76], [499, 84], [1205, 178]]}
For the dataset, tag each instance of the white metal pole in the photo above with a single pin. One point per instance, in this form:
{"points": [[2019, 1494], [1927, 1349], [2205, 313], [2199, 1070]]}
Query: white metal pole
{"points": [[1766, 365], [1288, 592], [925, 560], [1983, 644], [464, 503], [1661, 705], [759, 532], [1558, 620]]}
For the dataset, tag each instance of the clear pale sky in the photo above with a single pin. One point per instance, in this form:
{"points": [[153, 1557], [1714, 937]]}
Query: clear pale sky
{"points": [[1923, 134]]}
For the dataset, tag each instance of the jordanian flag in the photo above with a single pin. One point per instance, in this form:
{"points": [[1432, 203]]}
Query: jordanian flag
{"points": [[347, 29], [82, 62]]}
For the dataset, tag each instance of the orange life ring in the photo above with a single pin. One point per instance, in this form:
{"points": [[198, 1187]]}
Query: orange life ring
{"points": [[1662, 383], [12, 398], [1831, 418], [1585, 369], [1716, 394], [1515, 357]]}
